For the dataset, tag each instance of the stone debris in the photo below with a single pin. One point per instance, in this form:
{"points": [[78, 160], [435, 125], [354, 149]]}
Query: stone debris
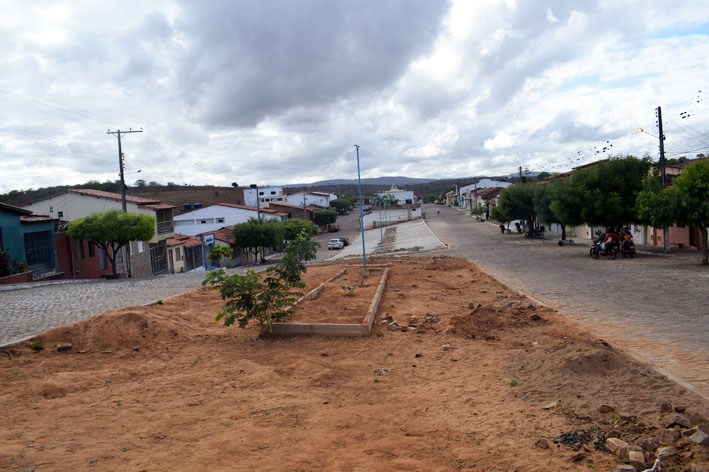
{"points": [[606, 408], [615, 445], [700, 437], [665, 451], [625, 468], [678, 420], [64, 347], [636, 459]]}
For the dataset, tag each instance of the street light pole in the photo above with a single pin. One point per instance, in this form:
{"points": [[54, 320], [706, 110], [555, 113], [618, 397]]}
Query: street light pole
{"points": [[665, 231], [361, 213]]}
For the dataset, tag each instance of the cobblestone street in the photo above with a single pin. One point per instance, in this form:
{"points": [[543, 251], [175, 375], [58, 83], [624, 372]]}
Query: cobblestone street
{"points": [[26, 312], [653, 306]]}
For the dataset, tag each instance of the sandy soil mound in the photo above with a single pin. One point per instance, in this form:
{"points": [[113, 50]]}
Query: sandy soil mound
{"points": [[136, 327]]}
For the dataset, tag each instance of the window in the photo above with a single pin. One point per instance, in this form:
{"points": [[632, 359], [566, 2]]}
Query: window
{"points": [[260, 193], [220, 220], [141, 248], [80, 249], [103, 258], [203, 222], [92, 249], [177, 254], [273, 192], [164, 221], [60, 214]]}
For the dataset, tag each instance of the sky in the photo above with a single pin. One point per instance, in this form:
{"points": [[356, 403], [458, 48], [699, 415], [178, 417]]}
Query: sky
{"points": [[279, 91]]}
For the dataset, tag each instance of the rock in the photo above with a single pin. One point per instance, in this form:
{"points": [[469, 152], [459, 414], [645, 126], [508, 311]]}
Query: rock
{"points": [[446, 347], [418, 355], [535, 317], [606, 408], [700, 437], [542, 443], [636, 459], [453, 359], [665, 407], [578, 457], [403, 329], [625, 468], [63, 347], [678, 420], [483, 291], [665, 451], [434, 297], [614, 445], [550, 405], [471, 306], [648, 444], [670, 435], [680, 408], [393, 326]]}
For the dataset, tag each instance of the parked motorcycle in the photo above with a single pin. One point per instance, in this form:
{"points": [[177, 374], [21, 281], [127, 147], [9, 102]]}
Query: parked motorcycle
{"points": [[596, 251], [535, 233]]}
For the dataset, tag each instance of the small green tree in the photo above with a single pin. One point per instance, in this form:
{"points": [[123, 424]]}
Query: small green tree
{"points": [[112, 230], [517, 203], [294, 227], [324, 217], [685, 203], [340, 205], [255, 235], [267, 300], [219, 252]]}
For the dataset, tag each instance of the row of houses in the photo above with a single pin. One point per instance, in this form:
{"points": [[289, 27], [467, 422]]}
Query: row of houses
{"points": [[35, 238], [484, 192]]}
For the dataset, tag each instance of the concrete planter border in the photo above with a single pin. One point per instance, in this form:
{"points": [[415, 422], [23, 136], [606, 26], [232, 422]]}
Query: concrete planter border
{"points": [[333, 329]]}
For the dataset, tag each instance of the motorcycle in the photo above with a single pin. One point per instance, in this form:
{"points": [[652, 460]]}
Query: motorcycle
{"points": [[628, 250], [596, 251], [535, 233]]}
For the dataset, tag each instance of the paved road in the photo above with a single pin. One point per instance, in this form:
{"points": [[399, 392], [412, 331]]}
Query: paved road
{"points": [[655, 307]]}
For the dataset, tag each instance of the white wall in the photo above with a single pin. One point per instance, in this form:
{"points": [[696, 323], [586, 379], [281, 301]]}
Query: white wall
{"points": [[310, 199], [214, 217], [390, 216]]}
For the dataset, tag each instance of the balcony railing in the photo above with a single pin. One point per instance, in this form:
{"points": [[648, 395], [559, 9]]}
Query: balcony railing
{"points": [[165, 227]]}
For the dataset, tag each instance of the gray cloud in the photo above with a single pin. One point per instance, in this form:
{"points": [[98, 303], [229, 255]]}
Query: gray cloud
{"points": [[247, 60]]}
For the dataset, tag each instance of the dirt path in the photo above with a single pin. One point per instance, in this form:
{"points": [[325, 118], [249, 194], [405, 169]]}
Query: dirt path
{"points": [[480, 379]]}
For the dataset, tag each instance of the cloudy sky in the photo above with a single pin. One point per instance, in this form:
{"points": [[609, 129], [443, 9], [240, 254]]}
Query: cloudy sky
{"points": [[279, 91]]}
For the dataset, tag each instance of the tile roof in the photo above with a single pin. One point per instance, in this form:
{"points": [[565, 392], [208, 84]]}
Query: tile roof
{"points": [[186, 241], [15, 209], [113, 196], [36, 219], [159, 206]]}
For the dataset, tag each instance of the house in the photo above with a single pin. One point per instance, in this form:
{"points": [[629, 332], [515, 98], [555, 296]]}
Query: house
{"points": [[466, 192], [391, 215], [296, 211], [266, 196], [321, 199], [29, 242], [145, 257], [400, 197], [214, 217], [185, 253]]}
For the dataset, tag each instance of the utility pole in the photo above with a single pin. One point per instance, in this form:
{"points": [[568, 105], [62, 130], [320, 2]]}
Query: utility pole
{"points": [[305, 214], [117, 133], [361, 215], [665, 231]]}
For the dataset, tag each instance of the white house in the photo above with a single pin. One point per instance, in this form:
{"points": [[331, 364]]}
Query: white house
{"points": [[401, 197], [466, 191], [80, 203], [214, 217], [266, 195], [321, 199]]}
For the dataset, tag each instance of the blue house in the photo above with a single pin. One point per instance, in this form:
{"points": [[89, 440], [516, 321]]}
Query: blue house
{"points": [[28, 239]]}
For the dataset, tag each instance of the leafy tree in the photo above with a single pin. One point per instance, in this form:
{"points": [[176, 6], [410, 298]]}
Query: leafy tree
{"points": [[340, 205], [685, 203], [294, 227], [385, 199], [566, 202], [140, 183], [234, 184], [112, 230], [324, 217], [517, 203], [255, 235], [266, 300], [218, 252]]}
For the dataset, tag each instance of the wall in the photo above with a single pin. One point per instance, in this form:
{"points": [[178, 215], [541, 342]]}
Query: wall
{"points": [[140, 261], [391, 216], [12, 237], [86, 268], [189, 223], [310, 199]]}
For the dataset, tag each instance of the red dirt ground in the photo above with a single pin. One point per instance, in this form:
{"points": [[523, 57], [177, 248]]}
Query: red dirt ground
{"points": [[482, 379]]}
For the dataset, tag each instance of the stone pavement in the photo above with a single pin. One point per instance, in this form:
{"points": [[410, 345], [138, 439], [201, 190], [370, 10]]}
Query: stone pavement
{"points": [[26, 312], [653, 306]]}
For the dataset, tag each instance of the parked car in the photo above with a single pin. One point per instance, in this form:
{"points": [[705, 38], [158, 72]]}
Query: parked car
{"points": [[335, 243], [344, 240], [334, 228]]}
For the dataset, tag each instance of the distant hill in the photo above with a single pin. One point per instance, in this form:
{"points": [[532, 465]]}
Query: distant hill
{"points": [[398, 180]]}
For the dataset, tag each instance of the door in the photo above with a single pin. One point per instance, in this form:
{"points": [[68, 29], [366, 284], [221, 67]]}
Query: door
{"points": [[39, 252], [172, 264]]}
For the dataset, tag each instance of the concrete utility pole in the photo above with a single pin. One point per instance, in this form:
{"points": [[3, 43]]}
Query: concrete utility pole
{"points": [[665, 231], [361, 215], [118, 133]]}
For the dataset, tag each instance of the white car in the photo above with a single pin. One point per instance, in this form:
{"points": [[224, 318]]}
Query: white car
{"points": [[335, 244]]}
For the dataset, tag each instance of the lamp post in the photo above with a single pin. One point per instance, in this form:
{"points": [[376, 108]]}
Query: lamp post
{"points": [[381, 230], [361, 213]]}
